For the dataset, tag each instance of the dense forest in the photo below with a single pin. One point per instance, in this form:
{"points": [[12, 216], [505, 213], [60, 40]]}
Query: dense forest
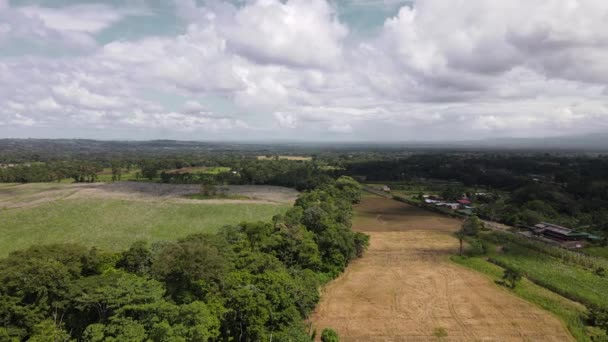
{"points": [[255, 281]]}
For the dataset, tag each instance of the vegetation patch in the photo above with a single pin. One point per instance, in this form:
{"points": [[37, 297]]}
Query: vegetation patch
{"points": [[115, 224]]}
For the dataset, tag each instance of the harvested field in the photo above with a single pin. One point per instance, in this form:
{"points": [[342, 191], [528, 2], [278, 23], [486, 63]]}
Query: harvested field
{"points": [[406, 289], [29, 195]]}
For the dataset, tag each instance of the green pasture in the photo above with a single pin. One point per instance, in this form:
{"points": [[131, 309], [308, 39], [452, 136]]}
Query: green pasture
{"points": [[114, 224]]}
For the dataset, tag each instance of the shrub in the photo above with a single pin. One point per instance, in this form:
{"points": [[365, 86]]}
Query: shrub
{"points": [[329, 335]]}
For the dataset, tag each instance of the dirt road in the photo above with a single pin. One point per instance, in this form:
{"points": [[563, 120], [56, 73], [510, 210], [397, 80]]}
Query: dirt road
{"points": [[406, 289]]}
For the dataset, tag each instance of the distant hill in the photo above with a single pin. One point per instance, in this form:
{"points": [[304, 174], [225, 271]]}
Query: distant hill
{"points": [[590, 142], [16, 150]]}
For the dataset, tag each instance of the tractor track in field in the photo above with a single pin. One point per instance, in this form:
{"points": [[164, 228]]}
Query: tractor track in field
{"points": [[405, 288]]}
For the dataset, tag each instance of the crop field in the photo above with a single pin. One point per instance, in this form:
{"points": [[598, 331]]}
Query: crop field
{"points": [[296, 158], [112, 216], [601, 252], [213, 170], [570, 280], [405, 288], [569, 311]]}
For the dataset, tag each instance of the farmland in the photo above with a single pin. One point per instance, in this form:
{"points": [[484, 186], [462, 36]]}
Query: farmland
{"points": [[293, 158], [569, 279], [569, 311], [112, 216], [405, 288], [202, 169]]}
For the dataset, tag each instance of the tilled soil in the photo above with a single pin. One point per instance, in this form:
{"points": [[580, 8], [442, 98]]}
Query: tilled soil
{"points": [[29, 195], [406, 289]]}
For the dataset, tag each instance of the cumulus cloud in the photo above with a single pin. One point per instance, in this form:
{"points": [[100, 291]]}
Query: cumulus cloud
{"points": [[89, 18], [303, 33], [435, 69], [286, 120]]}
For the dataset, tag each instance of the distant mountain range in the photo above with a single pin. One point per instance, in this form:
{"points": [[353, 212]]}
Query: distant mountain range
{"points": [[589, 142], [576, 143]]}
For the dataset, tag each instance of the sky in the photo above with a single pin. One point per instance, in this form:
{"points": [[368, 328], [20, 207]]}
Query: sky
{"points": [[303, 70]]}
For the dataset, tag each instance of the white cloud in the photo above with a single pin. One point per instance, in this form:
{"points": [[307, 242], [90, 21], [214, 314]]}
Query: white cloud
{"points": [[340, 128], [440, 69], [286, 120], [298, 32], [89, 18]]}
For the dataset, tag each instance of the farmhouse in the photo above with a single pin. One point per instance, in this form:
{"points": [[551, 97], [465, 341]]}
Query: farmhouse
{"points": [[385, 188], [566, 237], [453, 206]]}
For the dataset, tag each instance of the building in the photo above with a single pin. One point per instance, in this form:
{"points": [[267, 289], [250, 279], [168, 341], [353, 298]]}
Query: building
{"points": [[567, 237], [385, 188], [464, 202], [453, 206]]}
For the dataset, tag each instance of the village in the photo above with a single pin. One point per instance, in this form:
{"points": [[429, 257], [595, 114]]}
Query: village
{"points": [[546, 232]]}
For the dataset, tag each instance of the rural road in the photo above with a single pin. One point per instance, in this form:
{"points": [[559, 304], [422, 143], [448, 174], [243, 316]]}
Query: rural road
{"points": [[406, 289]]}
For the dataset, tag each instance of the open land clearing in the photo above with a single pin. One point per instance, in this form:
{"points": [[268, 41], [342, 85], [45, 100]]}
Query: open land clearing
{"points": [[114, 215], [406, 289]]}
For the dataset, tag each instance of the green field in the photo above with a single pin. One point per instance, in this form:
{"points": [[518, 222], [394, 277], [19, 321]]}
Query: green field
{"points": [[601, 252], [210, 170], [114, 224], [570, 312], [570, 280], [555, 279]]}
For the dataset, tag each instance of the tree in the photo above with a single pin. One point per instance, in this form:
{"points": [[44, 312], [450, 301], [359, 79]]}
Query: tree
{"points": [[137, 259], [511, 277], [149, 169], [472, 225], [329, 335], [105, 294], [350, 188], [116, 171], [185, 265], [48, 331], [460, 235]]}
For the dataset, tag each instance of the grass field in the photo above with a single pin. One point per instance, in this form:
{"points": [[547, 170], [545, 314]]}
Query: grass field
{"points": [[601, 252], [570, 280], [114, 215], [115, 224]]}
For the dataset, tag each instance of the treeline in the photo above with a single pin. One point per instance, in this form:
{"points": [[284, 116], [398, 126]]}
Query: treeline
{"points": [[294, 174], [257, 281], [51, 172], [301, 175], [526, 189]]}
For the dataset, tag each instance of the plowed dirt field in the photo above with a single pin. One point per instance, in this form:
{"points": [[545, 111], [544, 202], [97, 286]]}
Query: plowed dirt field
{"points": [[406, 289]]}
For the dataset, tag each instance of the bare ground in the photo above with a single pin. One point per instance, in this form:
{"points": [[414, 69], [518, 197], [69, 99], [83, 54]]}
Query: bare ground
{"points": [[405, 288], [29, 195]]}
